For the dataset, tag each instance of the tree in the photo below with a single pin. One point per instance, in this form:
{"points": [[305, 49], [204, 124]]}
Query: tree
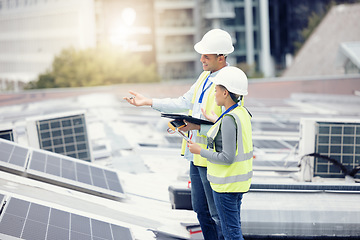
{"points": [[95, 67], [46, 80]]}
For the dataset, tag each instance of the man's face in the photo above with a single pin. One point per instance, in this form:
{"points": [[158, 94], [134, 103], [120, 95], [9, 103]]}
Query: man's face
{"points": [[212, 62]]}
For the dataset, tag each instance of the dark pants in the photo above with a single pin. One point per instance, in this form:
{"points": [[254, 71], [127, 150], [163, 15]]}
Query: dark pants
{"points": [[228, 206], [203, 203]]}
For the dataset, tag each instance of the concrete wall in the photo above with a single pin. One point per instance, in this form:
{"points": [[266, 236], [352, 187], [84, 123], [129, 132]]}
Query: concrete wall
{"points": [[284, 87]]}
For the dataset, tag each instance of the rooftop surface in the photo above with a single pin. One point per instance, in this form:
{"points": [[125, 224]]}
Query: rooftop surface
{"points": [[134, 142]]}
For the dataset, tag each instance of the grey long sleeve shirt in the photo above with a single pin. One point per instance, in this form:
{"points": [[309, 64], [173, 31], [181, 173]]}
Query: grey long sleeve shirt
{"points": [[225, 142]]}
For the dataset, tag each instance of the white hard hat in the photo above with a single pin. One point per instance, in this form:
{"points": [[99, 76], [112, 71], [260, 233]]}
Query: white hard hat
{"points": [[233, 79], [215, 41]]}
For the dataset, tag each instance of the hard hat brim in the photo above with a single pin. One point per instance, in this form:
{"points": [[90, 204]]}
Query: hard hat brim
{"points": [[200, 48], [231, 89], [233, 79]]}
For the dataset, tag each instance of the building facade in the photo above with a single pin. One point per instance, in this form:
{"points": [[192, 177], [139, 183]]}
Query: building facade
{"points": [[181, 23], [32, 32]]}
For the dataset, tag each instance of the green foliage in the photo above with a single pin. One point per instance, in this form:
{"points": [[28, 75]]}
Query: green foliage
{"points": [[313, 21], [46, 80], [95, 67]]}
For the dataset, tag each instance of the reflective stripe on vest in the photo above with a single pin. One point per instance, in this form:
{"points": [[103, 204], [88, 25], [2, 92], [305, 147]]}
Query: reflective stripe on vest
{"points": [[236, 176], [209, 105], [238, 158], [231, 179]]}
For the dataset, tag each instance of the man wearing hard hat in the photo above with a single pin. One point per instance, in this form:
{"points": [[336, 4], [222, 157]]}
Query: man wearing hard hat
{"points": [[214, 48]]}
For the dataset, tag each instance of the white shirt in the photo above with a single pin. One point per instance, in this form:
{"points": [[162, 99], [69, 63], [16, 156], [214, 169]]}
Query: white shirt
{"points": [[183, 105]]}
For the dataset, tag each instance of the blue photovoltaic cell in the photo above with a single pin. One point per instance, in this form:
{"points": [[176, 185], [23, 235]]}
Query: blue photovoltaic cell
{"points": [[76, 171], [32, 221], [55, 233]]}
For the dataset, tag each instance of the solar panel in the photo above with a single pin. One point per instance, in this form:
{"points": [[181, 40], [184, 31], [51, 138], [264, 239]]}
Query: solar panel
{"points": [[339, 141], [13, 158], [264, 143], [65, 134], [305, 187], [74, 173], [7, 134], [292, 143], [60, 170], [28, 220], [276, 126]]}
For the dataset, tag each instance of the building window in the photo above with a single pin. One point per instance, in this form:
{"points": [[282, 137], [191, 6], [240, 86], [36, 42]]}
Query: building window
{"points": [[241, 59], [256, 40], [241, 41], [255, 16], [240, 16]]}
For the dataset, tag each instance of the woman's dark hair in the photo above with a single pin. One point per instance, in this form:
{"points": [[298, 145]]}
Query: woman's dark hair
{"points": [[235, 97]]}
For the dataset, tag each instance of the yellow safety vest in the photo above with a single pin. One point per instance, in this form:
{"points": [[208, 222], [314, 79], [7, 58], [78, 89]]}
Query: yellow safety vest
{"points": [[234, 177], [209, 106]]}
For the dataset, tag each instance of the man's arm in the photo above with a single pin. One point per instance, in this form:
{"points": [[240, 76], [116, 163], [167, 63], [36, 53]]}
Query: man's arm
{"points": [[166, 105]]}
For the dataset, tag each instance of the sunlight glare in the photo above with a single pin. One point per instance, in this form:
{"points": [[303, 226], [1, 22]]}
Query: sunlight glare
{"points": [[129, 16]]}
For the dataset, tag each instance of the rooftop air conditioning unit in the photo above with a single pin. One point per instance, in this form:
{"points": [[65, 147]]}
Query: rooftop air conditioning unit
{"points": [[333, 146], [63, 133]]}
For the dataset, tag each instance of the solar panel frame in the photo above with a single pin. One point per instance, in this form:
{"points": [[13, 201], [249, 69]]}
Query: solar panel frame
{"points": [[26, 219], [72, 173], [2, 197], [61, 170]]}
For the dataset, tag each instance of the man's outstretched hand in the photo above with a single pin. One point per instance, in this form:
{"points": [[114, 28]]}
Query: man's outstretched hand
{"points": [[138, 99]]}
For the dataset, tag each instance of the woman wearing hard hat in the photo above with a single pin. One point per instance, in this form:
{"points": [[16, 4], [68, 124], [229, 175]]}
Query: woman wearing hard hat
{"points": [[230, 154]]}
